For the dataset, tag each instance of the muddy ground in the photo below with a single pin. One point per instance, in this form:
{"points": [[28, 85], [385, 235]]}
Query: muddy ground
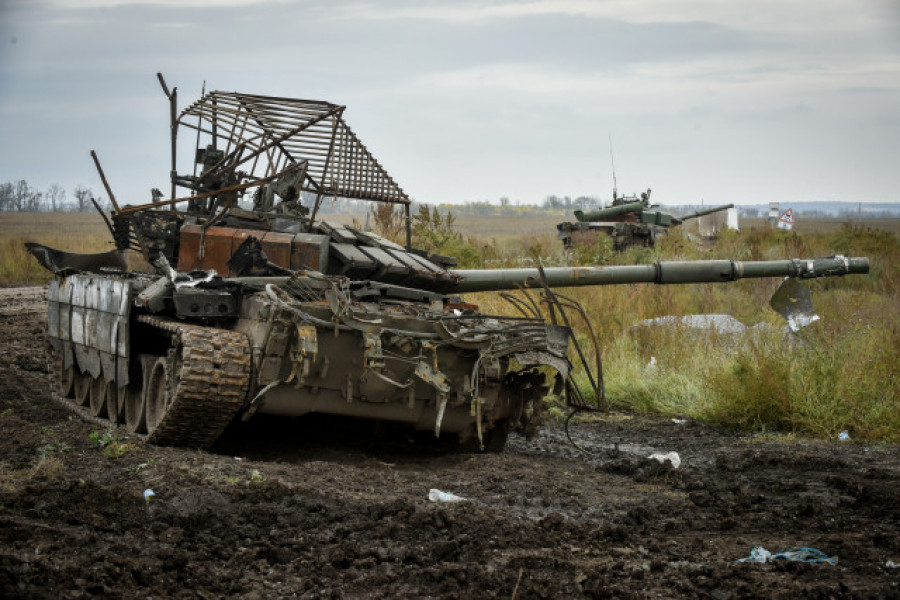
{"points": [[310, 509]]}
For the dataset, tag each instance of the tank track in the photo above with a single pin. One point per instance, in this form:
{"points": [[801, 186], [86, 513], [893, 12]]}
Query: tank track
{"points": [[210, 369]]}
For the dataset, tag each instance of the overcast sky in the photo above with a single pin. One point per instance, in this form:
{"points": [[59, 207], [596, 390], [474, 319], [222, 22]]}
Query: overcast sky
{"points": [[704, 100]]}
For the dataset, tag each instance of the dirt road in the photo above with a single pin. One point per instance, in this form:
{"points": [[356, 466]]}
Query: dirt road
{"points": [[323, 510], [19, 300]]}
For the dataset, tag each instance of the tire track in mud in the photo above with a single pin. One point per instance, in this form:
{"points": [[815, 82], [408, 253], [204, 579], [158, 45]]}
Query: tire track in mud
{"points": [[311, 511], [20, 300]]}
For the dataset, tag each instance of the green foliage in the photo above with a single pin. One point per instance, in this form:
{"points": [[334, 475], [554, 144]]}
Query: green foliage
{"points": [[436, 234], [431, 230], [756, 390], [111, 443], [48, 450], [389, 221], [591, 248]]}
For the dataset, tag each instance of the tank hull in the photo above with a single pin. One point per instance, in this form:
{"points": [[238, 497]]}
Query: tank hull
{"points": [[430, 364]]}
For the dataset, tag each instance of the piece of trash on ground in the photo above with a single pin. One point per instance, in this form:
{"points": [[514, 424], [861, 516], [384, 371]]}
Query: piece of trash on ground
{"points": [[758, 554], [672, 457], [844, 436], [439, 496], [149, 495]]}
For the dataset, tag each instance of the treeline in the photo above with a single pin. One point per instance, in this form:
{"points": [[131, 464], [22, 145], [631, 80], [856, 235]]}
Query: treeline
{"points": [[18, 196], [552, 205], [842, 215]]}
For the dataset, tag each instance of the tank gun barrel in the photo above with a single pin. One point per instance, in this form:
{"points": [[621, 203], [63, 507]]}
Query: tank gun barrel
{"points": [[609, 212], [677, 272], [704, 212]]}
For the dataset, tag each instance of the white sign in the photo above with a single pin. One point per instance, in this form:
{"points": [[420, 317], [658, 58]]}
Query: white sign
{"points": [[786, 220]]}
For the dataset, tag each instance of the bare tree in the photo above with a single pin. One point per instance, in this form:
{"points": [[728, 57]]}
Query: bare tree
{"points": [[56, 195], [6, 197], [21, 192], [82, 198], [33, 201]]}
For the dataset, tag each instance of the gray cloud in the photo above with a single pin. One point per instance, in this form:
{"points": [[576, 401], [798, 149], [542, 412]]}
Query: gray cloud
{"points": [[466, 101]]}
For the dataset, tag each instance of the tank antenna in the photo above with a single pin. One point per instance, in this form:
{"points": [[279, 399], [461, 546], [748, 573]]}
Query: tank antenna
{"points": [[613, 161]]}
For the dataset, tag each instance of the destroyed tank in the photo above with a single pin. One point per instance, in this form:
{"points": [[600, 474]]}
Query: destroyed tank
{"points": [[628, 221], [269, 311]]}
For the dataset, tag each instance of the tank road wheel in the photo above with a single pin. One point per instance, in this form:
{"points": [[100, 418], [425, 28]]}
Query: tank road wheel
{"points": [[98, 396], [495, 439], [82, 388], [65, 379], [113, 411], [193, 393], [131, 399], [157, 394], [131, 396]]}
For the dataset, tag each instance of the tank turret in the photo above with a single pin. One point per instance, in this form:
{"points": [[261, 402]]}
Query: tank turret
{"points": [[611, 212]]}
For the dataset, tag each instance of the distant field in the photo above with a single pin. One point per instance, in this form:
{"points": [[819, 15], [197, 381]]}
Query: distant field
{"points": [[506, 226], [73, 232], [830, 225], [493, 225], [49, 226]]}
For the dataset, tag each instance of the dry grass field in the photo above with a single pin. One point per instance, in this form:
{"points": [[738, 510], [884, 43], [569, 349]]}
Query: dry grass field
{"points": [[73, 232]]}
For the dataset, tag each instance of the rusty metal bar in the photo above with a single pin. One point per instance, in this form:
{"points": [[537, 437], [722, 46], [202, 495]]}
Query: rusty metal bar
{"points": [[173, 120], [277, 131], [408, 227], [232, 188], [112, 197]]}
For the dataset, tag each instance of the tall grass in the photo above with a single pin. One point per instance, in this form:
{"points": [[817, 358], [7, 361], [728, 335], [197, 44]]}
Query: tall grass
{"points": [[840, 373], [71, 232]]}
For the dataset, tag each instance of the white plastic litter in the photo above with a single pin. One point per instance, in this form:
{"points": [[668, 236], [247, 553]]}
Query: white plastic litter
{"points": [[844, 436], [758, 554], [149, 495], [672, 457], [439, 496]]}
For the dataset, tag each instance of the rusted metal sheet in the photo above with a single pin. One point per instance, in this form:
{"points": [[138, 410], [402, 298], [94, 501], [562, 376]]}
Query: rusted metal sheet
{"points": [[205, 250], [277, 247], [189, 253], [309, 251]]}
